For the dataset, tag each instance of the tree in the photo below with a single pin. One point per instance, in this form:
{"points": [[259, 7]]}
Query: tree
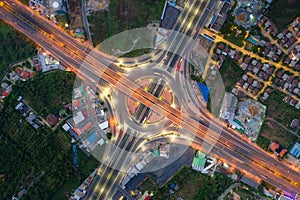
{"points": [[109, 135]]}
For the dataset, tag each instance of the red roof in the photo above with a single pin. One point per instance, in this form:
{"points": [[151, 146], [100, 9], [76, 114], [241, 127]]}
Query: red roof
{"points": [[247, 60], [5, 94], [279, 75], [221, 46], [38, 67], [69, 106], [77, 104], [51, 119], [25, 75], [85, 113], [237, 57], [274, 146], [282, 152], [86, 127], [31, 74], [147, 198], [18, 70]]}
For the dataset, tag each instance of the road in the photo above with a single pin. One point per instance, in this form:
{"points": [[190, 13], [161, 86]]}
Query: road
{"points": [[85, 23], [243, 151], [156, 89]]}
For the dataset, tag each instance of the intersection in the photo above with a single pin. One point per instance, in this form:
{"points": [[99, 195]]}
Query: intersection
{"points": [[227, 146]]}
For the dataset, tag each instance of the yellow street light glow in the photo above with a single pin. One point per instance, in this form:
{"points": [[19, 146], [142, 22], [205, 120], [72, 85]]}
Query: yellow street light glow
{"points": [[101, 190], [189, 25], [188, 12], [120, 61]]}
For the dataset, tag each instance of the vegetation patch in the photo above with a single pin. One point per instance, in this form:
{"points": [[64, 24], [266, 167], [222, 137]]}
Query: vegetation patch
{"points": [[192, 185], [39, 160], [282, 12], [123, 15], [272, 131], [136, 53], [14, 47], [233, 33], [263, 142], [230, 72], [48, 93], [287, 112]]}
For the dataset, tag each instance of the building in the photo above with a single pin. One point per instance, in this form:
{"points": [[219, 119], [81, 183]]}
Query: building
{"points": [[228, 107], [295, 151], [204, 91], [295, 123], [78, 118], [31, 120], [218, 20], [169, 16], [104, 125], [199, 161], [249, 182], [235, 124], [277, 148], [250, 115], [51, 119]]}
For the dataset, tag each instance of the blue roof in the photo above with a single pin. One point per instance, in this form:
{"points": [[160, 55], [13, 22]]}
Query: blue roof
{"points": [[75, 159], [204, 90], [252, 40], [173, 4], [295, 151], [172, 185], [92, 138], [213, 19]]}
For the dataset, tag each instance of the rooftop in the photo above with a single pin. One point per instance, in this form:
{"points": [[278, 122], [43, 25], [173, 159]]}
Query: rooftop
{"points": [[199, 159], [170, 16], [295, 151]]}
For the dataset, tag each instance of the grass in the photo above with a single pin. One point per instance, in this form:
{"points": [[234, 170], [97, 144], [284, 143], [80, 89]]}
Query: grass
{"points": [[233, 33], [263, 142], [148, 185], [48, 93], [62, 20], [235, 40], [136, 53], [282, 12], [123, 15], [86, 164], [62, 139], [287, 113], [230, 72], [25, 2], [192, 185], [70, 185], [272, 131], [14, 47]]}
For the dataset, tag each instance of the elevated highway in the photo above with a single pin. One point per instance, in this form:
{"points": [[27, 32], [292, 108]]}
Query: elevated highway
{"points": [[241, 151]]}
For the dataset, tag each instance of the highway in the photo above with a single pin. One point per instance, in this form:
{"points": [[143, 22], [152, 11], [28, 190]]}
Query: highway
{"points": [[143, 111], [229, 142]]}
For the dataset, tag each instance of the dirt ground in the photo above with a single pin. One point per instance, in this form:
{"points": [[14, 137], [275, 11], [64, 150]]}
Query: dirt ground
{"points": [[74, 7]]}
